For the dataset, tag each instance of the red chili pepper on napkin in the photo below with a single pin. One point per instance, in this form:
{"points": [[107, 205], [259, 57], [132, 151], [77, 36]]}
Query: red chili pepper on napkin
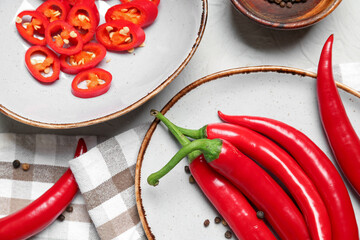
{"points": [[139, 12], [341, 136], [90, 56], [258, 186], [36, 25], [223, 195], [277, 161], [43, 211], [316, 165], [63, 38], [39, 68]]}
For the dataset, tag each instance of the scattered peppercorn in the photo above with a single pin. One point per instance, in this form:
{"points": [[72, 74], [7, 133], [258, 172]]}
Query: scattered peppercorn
{"points": [[224, 222], [191, 179], [217, 220], [206, 222], [228, 234], [69, 209], [187, 169], [61, 218], [282, 4], [25, 166], [16, 163], [287, 3], [260, 214]]}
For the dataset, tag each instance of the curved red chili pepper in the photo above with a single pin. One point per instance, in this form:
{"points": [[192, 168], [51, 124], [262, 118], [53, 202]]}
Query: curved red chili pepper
{"points": [[257, 185], [277, 161], [84, 19], [63, 38], [156, 2], [36, 26], [43, 211], [90, 56], [99, 83], [39, 69], [120, 35], [139, 12], [344, 142], [316, 165], [54, 10], [224, 196]]}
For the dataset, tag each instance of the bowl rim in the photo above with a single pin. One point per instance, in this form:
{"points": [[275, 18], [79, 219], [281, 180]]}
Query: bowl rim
{"points": [[8, 112], [286, 26], [211, 77]]}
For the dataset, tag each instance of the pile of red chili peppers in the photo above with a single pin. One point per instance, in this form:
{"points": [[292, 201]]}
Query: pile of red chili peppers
{"points": [[63, 32], [225, 160]]}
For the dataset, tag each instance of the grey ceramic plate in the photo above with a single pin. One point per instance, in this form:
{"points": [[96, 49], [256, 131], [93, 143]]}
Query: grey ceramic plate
{"points": [[176, 208], [170, 43]]}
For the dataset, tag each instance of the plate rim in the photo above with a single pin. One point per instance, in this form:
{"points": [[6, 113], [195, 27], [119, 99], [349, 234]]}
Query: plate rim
{"points": [[9, 113], [189, 88]]}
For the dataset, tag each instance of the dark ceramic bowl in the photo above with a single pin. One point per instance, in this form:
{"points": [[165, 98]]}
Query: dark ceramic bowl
{"points": [[300, 15]]}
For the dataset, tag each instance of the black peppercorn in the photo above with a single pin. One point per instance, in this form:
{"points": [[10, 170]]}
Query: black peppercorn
{"points": [[260, 214], [217, 220], [187, 169], [16, 163], [61, 218], [206, 222], [69, 209], [228, 234]]}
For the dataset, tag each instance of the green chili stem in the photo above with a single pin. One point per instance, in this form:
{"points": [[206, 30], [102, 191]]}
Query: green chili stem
{"points": [[193, 133], [210, 148]]}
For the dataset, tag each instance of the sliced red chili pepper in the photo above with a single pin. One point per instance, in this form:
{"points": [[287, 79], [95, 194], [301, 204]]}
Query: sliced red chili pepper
{"points": [[344, 141], [63, 38], [316, 165], [39, 214], [97, 80], [90, 56], [40, 69], [224, 196], [139, 12], [83, 18], [33, 30], [277, 161], [120, 35], [257, 185], [156, 2], [54, 10]]}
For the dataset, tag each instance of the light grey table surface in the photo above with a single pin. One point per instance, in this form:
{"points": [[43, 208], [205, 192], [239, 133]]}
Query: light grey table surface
{"points": [[231, 40]]}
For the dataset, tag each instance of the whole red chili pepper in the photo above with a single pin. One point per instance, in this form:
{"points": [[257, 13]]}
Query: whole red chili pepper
{"points": [[43, 211], [344, 142], [277, 161], [316, 165], [223, 195], [258, 186]]}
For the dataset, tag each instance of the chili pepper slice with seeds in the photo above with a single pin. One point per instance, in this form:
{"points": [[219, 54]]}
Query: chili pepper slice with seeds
{"points": [[90, 56], [33, 30], [83, 18], [257, 185], [224, 196], [343, 140], [43, 211], [45, 71], [156, 2], [54, 10], [277, 161], [139, 12], [316, 165], [63, 38], [120, 35], [97, 80]]}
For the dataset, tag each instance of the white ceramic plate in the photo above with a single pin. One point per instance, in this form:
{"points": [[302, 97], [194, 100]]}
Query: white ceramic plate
{"points": [[170, 43], [176, 208]]}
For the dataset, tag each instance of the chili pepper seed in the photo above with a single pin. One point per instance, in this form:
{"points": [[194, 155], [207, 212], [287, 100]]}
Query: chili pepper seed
{"points": [[16, 163], [61, 218], [187, 169], [260, 214], [217, 220], [228, 234], [191, 179], [206, 222], [25, 166], [69, 209]]}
